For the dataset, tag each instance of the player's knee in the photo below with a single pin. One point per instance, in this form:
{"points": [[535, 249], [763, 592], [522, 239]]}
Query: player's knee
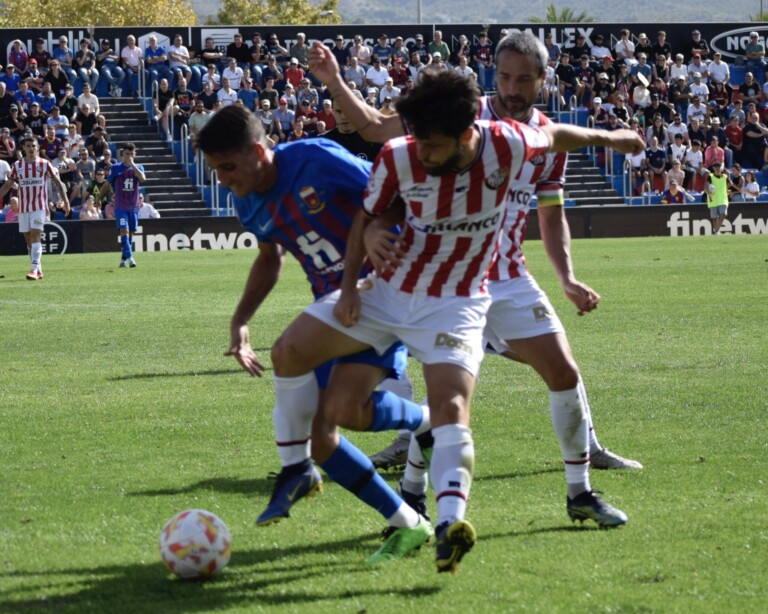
{"points": [[286, 357], [346, 409], [564, 374], [324, 441]]}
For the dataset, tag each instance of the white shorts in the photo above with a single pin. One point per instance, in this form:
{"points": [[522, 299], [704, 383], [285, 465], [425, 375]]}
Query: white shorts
{"points": [[32, 221], [434, 329], [520, 310]]}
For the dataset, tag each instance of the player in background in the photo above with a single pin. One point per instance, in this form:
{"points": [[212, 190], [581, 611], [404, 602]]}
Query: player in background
{"points": [[126, 178], [452, 176], [301, 198], [30, 175], [519, 74]]}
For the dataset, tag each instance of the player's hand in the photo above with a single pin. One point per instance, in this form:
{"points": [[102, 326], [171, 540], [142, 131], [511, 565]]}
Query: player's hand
{"points": [[322, 63], [581, 295], [240, 348], [627, 141], [382, 248], [347, 309]]}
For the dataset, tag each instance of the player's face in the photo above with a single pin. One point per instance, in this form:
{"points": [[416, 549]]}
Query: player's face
{"points": [[439, 154], [128, 155], [30, 149], [243, 172], [518, 83]]}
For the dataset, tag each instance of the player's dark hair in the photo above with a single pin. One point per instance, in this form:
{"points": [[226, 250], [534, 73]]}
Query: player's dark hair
{"points": [[443, 101], [128, 146], [233, 128], [525, 44]]}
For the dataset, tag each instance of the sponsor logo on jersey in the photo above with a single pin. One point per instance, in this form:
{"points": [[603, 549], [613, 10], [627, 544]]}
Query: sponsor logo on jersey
{"points": [[311, 199], [496, 179], [541, 312], [458, 226]]}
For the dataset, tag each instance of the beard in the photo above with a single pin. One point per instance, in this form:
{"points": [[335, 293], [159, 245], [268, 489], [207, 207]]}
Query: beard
{"points": [[517, 107], [449, 166]]}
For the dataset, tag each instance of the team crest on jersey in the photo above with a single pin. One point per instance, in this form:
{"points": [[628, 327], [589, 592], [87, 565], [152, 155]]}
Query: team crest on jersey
{"points": [[538, 161], [496, 179], [311, 199]]}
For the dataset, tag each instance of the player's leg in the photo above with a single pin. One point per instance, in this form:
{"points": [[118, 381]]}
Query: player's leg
{"points": [[133, 226], [550, 356], [34, 224], [121, 219], [395, 454], [350, 468], [449, 389]]}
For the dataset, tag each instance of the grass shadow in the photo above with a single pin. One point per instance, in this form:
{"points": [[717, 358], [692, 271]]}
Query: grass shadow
{"points": [[254, 577], [238, 486], [135, 376]]}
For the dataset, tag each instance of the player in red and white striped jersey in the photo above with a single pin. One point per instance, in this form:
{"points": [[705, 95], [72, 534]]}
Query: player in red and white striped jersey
{"points": [[29, 175], [521, 313], [453, 175]]}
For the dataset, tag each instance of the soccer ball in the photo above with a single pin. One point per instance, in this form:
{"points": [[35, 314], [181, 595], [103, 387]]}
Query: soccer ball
{"points": [[195, 544]]}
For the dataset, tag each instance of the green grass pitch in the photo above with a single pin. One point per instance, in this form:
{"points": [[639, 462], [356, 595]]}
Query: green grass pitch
{"points": [[118, 409]]}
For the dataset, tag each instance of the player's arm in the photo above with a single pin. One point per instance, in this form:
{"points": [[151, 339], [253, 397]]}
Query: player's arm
{"points": [[381, 242], [263, 276], [567, 137], [6, 187], [347, 308], [556, 236], [369, 122], [138, 172]]}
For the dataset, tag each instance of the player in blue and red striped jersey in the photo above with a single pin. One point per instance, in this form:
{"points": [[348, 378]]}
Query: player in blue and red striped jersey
{"points": [[302, 197], [30, 176], [126, 178]]}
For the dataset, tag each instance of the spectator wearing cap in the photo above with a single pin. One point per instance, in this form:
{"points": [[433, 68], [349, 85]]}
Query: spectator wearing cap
{"points": [[340, 52], [438, 60], [372, 97], [377, 74], [605, 90], [399, 52], [383, 50], [361, 51], [598, 51], [326, 115], [307, 92], [754, 52], [289, 94], [644, 45], [679, 94], [398, 72], [284, 119], [418, 46], [35, 121], [389, 91], [307, 116], [107, 65], [598, 113], [674, 194], [553, 49], [461, 49], [234, 73], [662, 47], [33, 76], [696, 65], [18, 56], [11, 79], [698, 88], [678, 69], [585, 81], [97, 145], [483, 57], [578, 50], [58, 121], [387, 106], [698, 45], [438, 45], [68, 103], [294, 73]]}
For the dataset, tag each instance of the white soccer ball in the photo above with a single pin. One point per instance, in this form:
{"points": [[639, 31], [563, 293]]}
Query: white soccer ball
{"points": [[195, 544], [711, 188]]}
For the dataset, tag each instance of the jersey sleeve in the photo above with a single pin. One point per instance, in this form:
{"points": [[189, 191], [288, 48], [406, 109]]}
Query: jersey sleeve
{"points": [[527, 143], [382, 188], [550, 188]]}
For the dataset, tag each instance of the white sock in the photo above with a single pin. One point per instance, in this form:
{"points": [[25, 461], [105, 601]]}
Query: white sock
{"points": [[296, 400], [36, 255], [569, 420], [594, 445], [415, 479], [453, 460], [405, 516]]}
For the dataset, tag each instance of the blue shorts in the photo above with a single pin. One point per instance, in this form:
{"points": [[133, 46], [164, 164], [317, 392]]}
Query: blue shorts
{"points": [[394, 361], [127, 219]]}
